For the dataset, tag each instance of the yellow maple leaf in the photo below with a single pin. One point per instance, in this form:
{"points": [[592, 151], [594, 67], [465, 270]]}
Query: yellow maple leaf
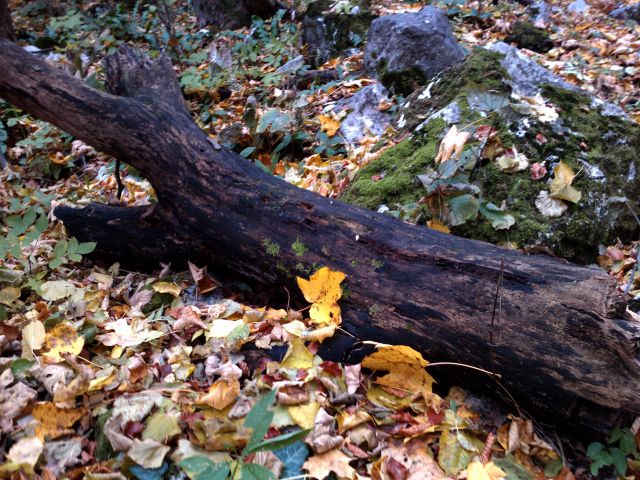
{"points": [[323, 286], [298, 356], [329, 124], [405, 366], [323, 291], [561, 184], [452, 144], [488, 471], [321, 466], [54, 422], [62, 339]]}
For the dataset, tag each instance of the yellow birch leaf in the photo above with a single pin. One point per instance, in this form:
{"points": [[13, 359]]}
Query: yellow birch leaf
{"points": [[298, 356], [62, 339], [561, 184], [304, 415]]}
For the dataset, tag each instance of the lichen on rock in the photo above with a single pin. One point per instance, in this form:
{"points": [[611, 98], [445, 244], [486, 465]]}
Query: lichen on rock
{"points": [[554, 125]]}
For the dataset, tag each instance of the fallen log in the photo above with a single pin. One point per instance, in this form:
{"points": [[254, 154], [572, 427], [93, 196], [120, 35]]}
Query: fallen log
{"points": [[556, 332]]}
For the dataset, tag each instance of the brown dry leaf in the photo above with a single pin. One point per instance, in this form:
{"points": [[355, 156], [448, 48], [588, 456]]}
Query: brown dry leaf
{"points": [[62, 339], [222, 393], [415, 456], [204, 282], [321, 466], [452, 144], [54, 422]]}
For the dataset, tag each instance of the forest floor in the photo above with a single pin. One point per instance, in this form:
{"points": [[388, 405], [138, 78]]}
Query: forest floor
{"points": [[107, 373]]}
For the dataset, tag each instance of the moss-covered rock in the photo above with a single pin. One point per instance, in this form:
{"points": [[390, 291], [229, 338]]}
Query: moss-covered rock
{"points": [[527, 35], [601, 149]]}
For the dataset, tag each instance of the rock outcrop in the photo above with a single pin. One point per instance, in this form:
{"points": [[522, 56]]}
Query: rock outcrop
{"points": [[540, 164], [407, 50]]}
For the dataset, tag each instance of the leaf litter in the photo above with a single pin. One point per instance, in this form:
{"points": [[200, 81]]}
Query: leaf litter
{"points": [[113, 374]]}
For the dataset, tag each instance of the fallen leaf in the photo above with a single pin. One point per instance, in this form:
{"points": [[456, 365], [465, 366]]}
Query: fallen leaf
{"points": [[329, 124], [298, 355], [26, 451], [222, 393], [488, 471], [54, 422], [561, 184], [148, 453], [405, 366], [452, 144], [323, 291], [304, 415], [321, 466], [33, 336], [62, 339]]}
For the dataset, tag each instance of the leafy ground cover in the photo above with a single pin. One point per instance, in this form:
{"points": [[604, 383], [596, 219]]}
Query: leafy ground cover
{"points": [[108, 373]]}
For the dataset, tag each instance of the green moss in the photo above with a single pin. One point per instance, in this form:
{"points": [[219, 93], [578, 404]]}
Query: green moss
{"points": [[527, 35], [271, 247], [299, 248], [390, 180], [583, 138]]}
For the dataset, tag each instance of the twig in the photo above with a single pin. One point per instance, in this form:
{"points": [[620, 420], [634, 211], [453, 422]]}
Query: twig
{"points": [[495, 301], [118, 179]]}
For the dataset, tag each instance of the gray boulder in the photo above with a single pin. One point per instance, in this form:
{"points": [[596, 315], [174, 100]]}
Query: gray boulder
{"points": [[527, 77], [407, 50], [578, 6], [631, 12], [365, 116]]}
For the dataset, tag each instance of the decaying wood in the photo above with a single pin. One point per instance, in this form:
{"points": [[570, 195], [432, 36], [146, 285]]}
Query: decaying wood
{"points": [[6, 27], [557, 334]]}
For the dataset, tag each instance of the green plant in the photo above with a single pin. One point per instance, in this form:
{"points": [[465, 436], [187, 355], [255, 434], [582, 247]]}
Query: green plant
{"points": [[620, 446], [258, 420], [70, 250]]}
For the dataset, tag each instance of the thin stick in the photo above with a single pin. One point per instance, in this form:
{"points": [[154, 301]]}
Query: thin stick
{"points": [[495, 300]]}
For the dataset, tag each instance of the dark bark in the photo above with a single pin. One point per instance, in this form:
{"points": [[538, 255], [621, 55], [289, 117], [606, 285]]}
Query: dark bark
{"points": [[555, 331], [6, 25]]}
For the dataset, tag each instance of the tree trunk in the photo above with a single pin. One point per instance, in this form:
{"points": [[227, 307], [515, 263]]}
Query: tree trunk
{"points": [[555, 332], [6, 27]]}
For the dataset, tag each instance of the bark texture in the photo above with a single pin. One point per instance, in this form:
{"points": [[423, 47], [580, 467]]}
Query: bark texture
{"points": [[556, 332], [6, 26]]}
